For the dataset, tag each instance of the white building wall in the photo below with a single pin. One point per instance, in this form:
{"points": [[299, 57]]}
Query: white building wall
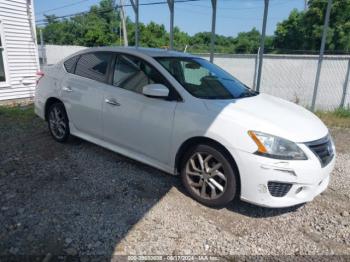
{"points": [[20, 50]]}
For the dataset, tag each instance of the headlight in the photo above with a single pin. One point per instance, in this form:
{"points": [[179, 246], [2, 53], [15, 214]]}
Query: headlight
{"points": [[276, 147]]}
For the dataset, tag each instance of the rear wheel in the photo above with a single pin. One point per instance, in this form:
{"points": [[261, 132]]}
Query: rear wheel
{"points": [[208, 175], [58, 122]]}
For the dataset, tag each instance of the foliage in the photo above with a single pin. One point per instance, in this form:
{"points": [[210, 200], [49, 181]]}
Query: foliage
{"points": [[337, 118], [342, 112], [249, 42], [95, 28], [303, 30], [101, 26]]}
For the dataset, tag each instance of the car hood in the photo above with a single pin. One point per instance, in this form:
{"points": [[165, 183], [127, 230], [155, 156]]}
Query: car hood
{"points": [[271, 115]]}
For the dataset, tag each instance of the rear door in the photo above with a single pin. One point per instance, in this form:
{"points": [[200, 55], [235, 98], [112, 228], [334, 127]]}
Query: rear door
{"points": [[130, 119], [82, 92]]}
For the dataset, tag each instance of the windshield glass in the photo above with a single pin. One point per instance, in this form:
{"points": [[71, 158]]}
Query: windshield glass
{"points": [[204, 79]]}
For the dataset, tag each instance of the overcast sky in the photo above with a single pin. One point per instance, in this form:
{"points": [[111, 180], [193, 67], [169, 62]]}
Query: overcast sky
{"points": [[233, 16]]}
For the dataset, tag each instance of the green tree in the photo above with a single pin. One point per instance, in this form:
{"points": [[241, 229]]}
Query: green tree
{"points": [[247, 42], [154, 35], [97, 27], [200, 42], [181, 39], [289, 33], [101, 26], [303, 30]]}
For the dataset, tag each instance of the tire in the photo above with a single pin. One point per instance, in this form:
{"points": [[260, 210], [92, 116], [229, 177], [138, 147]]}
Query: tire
{"points": [[216, 166], [58, 122]]}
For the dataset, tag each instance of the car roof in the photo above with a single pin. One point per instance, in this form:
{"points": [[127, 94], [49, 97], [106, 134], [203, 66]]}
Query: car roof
{"points": [[152, 52]]}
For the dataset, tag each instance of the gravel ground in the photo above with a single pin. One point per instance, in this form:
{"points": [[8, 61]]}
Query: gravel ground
{"points": [[80, 199]]}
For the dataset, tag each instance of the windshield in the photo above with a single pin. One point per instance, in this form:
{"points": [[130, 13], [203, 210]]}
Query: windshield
{"points": [[204, 79]]}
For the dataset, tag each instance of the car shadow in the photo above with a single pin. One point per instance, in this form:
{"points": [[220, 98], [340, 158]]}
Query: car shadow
{"points": [[250, 210], [77, 198], [70, 199]]}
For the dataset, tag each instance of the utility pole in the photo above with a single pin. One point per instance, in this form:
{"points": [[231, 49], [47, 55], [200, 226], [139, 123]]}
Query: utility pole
{"points": [[115, 7], [262, 46], [213, 25], [171, 9], [256, 68], [42, 47], [135, 6], [122, 17], [120, 33], [305, 5], [320, 58]]}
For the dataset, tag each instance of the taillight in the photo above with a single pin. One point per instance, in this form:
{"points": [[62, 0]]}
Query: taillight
{"points": [[39, 75]]}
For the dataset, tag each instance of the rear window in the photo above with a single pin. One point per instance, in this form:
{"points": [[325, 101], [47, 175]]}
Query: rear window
{"points": [[93, 66], [69, 64]]}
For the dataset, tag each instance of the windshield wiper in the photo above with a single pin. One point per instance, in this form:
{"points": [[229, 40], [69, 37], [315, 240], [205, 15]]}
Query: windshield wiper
{"points": [[248, 93]]}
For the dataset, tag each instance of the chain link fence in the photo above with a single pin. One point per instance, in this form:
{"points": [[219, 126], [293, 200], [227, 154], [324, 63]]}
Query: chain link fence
{"points": [[291, 77]]}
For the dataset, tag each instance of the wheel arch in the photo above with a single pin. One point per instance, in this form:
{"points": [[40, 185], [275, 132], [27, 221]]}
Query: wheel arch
{"points": [[211, 142], [50, 101]]}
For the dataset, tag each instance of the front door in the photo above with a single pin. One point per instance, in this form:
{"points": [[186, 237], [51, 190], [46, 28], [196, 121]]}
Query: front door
{"points": [[133, 121]]}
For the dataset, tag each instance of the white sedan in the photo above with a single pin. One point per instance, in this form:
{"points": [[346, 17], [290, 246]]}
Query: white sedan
{"points": [[185, 115]]}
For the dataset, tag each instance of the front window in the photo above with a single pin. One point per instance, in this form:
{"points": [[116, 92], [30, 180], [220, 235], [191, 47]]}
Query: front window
{"points": [[203, 79], [132, 73], [2, 68]]}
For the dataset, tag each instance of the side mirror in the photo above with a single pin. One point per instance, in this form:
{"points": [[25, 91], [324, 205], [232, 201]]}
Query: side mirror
{"points": [[155, 90]]}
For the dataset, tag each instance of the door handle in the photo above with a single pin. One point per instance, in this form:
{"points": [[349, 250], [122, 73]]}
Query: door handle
{"points": [[67, 89], [112, 102]]}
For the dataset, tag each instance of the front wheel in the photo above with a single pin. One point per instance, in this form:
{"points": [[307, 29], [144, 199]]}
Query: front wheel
{"points": [[58, 122], [208, 175]]}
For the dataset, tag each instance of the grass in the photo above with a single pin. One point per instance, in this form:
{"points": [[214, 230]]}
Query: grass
{"points": [[20, 113], [337, 118]]}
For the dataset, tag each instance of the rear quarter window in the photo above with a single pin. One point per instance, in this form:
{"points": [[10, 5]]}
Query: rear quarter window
{"points": [[93, 66], [69, 64]]}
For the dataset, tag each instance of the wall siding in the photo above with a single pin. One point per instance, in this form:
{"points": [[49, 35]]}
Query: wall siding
{"points": [[21, 53]]}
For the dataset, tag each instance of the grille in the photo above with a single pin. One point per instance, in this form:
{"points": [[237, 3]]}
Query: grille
{"points": [[323, 149], [278, 189]]}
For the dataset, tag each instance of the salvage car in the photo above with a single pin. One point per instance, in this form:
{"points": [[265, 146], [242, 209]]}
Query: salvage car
{"points": [[184, 115]]}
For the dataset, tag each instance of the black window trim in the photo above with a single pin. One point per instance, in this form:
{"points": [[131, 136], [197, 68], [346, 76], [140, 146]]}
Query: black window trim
{"points": [[173, 93], [74, 66], [106, 80], [110, 72]]}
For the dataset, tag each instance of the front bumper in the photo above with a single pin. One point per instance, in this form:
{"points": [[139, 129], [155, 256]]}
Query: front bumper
{"points": [[306, 178]]}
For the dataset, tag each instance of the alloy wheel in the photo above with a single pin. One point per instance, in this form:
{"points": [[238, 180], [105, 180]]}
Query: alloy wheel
{"points": [[206, 176], [57, 122]]}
